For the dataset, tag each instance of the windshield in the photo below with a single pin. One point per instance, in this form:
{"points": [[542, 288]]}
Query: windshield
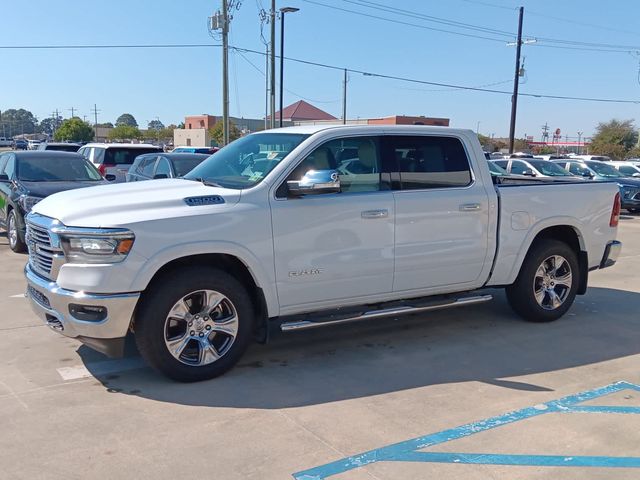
{"points": [[550, 169], [56, 169], [495, 169], [124, 155], [246, 161], [603, 169], [63, 148]]}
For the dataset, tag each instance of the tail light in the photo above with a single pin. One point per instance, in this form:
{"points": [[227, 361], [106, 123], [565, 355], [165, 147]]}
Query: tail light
{"points": [[102, 168], [615, 212]]}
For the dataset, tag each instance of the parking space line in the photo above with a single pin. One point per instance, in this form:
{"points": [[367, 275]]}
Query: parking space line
{"points": [[96, 369], [407, 451]]}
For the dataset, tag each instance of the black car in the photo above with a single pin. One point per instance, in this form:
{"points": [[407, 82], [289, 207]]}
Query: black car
{"points": [[165, 165], [21, 144], [28, 177]]}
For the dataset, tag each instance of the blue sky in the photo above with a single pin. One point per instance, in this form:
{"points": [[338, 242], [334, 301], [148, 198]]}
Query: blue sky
{"points": [[170, 83]]}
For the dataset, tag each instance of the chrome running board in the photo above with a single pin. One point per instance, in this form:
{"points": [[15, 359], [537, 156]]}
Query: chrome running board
{"points": [[404, 310]]}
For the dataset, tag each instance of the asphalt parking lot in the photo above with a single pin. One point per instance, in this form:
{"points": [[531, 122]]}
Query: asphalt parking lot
{"points": [[473, 393]]}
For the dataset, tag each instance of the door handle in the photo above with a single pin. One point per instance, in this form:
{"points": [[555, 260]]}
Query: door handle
{"points": [[368, 214], [470, 207]]}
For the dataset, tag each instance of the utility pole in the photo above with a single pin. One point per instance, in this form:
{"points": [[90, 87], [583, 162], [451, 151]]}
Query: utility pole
{"points": [[579, 138], [95, 112], [266, 87], [516, 82], [55, 116], [272, 70], [72, 110], [344, 98], [225, 72]]}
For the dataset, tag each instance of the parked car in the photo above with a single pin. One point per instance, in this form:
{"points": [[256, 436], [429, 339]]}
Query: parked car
{"points": [[28, 177], [627, 168], [21, 144], [59, 146], [601, 158], [600, 171], [114, 159], [521, 155], [187, 149], [6, 142], [198, 267], [167, 165], [533, 167]]}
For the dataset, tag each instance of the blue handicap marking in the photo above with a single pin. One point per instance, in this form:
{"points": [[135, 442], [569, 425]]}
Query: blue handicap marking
{"points": [[408, 451]]}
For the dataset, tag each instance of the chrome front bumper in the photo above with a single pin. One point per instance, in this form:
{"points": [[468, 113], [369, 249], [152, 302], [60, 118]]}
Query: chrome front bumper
{"points": [[611, 254], [52, 305]]}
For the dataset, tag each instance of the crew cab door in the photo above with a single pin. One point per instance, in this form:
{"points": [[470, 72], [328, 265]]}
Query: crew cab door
{"points": [[442, 214], [334, 246]]}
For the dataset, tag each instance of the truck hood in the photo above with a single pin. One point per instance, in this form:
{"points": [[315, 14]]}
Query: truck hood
{"points": [[124, 203]]}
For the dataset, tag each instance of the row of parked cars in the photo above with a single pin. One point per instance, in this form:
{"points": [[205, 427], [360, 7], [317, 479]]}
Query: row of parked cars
{"points": [[578, 168], [26, 177]]}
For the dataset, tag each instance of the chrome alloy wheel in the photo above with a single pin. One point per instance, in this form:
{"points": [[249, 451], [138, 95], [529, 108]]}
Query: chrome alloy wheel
{"points": [[552, 282], [201, 327], [12, 232]]}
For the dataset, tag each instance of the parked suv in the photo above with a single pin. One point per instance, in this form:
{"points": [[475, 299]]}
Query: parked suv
{"points": [[534, 167], [114, 159], [28, 177], [168, 165]]}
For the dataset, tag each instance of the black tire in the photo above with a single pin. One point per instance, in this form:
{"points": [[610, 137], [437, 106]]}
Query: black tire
{"points": [[160, 299], [15, 243], [521, 295]]}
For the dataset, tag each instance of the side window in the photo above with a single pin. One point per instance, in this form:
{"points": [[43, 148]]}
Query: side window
{"points": [[356, 159], [429, 161], [97, 155], [518, 167], [148, 166], [575, 169], [502, 163], [163, 167], [84, 152], [10, 167], [627, 170], [3, 162]]}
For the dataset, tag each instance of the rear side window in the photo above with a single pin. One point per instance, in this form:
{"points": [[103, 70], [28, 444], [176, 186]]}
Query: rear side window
{"points": [[124, 156], [429, 161], [502, 163], [518, 168]]}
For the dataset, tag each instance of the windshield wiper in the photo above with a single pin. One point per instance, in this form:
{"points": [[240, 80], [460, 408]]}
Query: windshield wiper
{"points": [[207, 182]]}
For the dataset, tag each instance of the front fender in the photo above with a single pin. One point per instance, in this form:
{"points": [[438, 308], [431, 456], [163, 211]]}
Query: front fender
{"points": [[262, 277]]}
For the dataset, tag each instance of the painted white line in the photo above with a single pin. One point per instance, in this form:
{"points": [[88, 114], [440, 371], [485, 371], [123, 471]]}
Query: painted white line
{"points": [[95, 369], [21, 295]]}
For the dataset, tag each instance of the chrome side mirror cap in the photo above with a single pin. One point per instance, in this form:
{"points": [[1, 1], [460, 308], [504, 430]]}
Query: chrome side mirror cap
{"points": [[315, 182]]}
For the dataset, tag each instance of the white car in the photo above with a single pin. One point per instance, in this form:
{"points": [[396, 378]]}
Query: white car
{"points": [[627, 168], [535, 167], [268, 232], [113, 160], [33, 144]]}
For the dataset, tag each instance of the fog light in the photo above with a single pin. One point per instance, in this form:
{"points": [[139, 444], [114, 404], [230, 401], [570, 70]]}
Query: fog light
{"points": [[88, 313]]}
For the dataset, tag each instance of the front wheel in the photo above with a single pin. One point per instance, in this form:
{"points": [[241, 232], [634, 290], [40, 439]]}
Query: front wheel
{"points": [[547, 283], [16, 243], [194, 324]]}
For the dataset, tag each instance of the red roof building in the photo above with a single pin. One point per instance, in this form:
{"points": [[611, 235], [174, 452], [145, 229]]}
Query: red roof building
{"points": [[301, 111]]}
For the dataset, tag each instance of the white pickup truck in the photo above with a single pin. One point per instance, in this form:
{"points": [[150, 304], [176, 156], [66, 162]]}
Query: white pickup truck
{"points": [[304, 227]]}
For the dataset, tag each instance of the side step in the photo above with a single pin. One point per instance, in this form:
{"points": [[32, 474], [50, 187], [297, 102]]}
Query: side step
{"points": [[316, 321]]}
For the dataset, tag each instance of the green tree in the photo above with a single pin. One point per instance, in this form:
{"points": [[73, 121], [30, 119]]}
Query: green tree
{"points": [[49, 125], [75, 130], [105, 124], [217, 133], [16, 122], [614, 138], [126, 119], [125, 132], [155, 125]]}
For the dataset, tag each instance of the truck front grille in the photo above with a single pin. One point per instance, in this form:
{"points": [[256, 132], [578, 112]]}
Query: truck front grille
{"points": [[42, 254]]}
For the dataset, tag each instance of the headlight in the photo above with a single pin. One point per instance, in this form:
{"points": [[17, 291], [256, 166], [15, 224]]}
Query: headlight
{"points": [[96, 246], [27, 202]]}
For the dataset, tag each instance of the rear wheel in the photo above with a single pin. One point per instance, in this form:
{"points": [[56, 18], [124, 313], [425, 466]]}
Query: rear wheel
{"points": [[194, 325], [547, 283], [16, 242]]}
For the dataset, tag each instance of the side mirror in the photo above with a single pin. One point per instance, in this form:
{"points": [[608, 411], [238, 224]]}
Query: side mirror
{"points": [[110, 177], [587, 174], [315, 182], [636, 175], [529, 173], [160, 175]]}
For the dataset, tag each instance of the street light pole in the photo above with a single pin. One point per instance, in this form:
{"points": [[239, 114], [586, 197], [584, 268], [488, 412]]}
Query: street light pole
{"points": [[282, 15]]}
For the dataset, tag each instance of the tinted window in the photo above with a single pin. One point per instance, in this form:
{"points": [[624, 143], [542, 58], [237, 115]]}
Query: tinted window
{"points": [[548, 168], [182, 166], [56, 169], [357, 160], [519, 168], [628, 170], [10, 167], [502, 163], [430, 162], [61, 148], [247, 161], [163, 167], [147, 166], [578, 169], [123, 156]]}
